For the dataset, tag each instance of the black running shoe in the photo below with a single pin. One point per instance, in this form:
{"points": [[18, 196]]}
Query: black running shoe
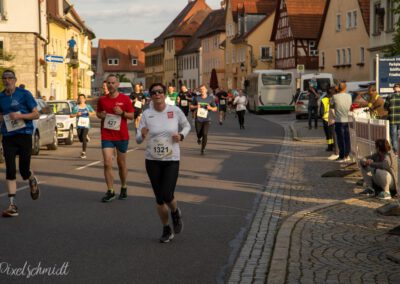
{"points": [[34, 186], [110, 196], [199, 141], [177, 221], [123, 195], [167, 235]]}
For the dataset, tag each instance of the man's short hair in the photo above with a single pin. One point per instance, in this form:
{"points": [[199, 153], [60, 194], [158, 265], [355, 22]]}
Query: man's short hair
{"points": [[8, 71], [342, 86], [113, 75], [396, 85]]}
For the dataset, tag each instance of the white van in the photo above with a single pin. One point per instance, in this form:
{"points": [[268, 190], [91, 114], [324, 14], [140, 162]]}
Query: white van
{"points": [[125, 88], [324, 81]]}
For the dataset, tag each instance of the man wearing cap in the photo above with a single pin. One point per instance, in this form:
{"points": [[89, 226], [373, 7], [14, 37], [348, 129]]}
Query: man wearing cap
{"points": [[392, 105]]}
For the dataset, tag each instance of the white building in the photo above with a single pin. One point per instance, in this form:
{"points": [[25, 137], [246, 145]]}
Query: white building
{"points": [[23, 36]]}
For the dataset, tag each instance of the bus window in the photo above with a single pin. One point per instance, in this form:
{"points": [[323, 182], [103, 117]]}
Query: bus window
{"points": [[323, 84], [281, 79]]}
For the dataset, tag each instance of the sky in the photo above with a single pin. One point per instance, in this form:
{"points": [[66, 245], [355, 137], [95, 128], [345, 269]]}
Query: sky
{"points": [[130, 19]]}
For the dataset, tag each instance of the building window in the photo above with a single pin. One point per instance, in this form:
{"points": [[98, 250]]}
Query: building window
{"points": [[362, 54], [134, 62], [337, 56], [322, 60], [3, 13], [351, 20], [113, 61], [1, 49], [313, 48], [338, 22], [343, 56], [265, 53], [390, 16], [349, 56], [379, 16]]}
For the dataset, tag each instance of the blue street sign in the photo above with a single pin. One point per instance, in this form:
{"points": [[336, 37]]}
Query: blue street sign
{"points": [[54, 58]]}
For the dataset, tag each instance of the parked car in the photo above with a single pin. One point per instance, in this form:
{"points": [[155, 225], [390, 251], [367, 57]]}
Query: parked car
{"points": [[126, 88], [66, 124], [301, 105]]}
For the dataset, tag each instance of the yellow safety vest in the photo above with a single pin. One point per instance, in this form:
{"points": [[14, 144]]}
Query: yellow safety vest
{"points": [[325, 103]]}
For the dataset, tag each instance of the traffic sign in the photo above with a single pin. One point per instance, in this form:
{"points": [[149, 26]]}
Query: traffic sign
{"points": [[301, 68], [54, 58]]}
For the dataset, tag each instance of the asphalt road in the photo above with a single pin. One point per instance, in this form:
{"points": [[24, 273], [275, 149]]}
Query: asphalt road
{"points": [[91, 242]]}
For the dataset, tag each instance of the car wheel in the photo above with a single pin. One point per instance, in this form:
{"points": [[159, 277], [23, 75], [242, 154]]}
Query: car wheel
{"points": [[36, 144], [54, 145], [70, 138]]}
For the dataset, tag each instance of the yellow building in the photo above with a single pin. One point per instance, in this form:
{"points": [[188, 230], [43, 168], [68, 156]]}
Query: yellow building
{"points": [[248, 47], [344, 41], [71, 76]]}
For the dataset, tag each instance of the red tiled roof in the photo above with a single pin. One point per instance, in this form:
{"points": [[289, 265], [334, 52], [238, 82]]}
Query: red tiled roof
{"points": [[365, 12], [175, 24], [306, 17], [125, 51], [191, 25], [214, 23], [251, 7]]}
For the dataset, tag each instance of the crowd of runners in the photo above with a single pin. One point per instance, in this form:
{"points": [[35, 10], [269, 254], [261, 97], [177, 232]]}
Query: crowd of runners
{"points": [[160, 118]]}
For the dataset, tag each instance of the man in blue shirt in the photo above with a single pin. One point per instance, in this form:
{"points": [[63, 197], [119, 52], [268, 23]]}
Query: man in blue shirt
{"points": [[203, 104], [17, 110]]}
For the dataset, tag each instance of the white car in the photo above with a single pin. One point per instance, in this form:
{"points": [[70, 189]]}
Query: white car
{"points": [[66, 125]]}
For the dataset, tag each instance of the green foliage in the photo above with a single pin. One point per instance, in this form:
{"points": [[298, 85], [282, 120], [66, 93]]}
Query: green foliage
{"points": [[122, 78], [394, 50]]}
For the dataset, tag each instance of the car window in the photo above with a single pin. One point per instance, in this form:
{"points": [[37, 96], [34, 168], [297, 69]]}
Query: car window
{"points": [[60, 108], [304, 97]]}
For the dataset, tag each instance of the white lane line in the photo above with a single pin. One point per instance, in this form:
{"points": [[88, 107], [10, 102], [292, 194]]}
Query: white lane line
{"points": [[20, 188], [88, 165], [97, 162]]}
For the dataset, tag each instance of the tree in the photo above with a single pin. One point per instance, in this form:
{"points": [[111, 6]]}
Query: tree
{"points": [[122, 78], [394, 49]]}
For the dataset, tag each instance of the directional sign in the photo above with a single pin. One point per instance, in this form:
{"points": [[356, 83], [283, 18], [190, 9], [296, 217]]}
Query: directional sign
{"points": [[54, 58]]}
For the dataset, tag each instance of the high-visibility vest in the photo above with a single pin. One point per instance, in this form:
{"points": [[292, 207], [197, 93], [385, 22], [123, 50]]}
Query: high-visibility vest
{"points": [[325, 104]]}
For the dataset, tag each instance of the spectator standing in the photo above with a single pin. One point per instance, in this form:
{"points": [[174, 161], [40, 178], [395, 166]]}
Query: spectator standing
{"points": [[392, 105], [313, 97], [328, 129], [341, 104]]}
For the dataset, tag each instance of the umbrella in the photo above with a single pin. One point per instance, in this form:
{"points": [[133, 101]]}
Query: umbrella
{"points": [[214, 80]]}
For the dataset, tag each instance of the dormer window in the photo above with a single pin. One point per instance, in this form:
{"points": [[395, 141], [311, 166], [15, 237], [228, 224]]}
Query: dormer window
{"points": [[113, 61], [134, 62]]}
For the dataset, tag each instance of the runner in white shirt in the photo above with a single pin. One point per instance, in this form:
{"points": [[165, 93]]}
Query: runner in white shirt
{"points": [[164, 126], [240, 102]]}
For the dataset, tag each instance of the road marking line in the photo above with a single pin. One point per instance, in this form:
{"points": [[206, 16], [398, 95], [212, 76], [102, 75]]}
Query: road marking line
{"points": [[20, 188], [88, 165], [97, 162]]}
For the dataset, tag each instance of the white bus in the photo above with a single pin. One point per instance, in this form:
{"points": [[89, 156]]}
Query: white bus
{"points": [[270, 90]]}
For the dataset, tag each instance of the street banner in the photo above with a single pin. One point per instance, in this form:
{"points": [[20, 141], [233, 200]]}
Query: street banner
{"points": [[389, 74]]}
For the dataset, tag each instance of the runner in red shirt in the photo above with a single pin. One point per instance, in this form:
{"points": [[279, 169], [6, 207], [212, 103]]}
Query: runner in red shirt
{"points": [[114, 109]]}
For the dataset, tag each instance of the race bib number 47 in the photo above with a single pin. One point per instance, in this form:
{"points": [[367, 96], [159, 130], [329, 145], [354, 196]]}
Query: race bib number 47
{"points": [[112, 122]]}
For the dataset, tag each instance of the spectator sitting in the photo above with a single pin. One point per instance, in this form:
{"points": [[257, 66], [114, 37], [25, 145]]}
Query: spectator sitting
{"points": [[379, 170]]}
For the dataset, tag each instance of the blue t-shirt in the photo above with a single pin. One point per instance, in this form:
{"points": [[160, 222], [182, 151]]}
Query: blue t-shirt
{"points": [[84, 113], [209, 100], [21, 100]]}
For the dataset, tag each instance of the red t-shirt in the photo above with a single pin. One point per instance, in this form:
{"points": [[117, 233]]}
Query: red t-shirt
{"points": [[107, 104]]}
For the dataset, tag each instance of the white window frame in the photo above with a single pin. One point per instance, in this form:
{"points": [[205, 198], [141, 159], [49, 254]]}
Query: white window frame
{"points": [[362, 54], [338, 56], [338, 25], [344, 60], [268, 52], [112, 61], [348, 55], [134, 62]]}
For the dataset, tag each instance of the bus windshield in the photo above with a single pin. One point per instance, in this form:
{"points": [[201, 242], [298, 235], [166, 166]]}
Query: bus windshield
{"points": [[276, 79]]}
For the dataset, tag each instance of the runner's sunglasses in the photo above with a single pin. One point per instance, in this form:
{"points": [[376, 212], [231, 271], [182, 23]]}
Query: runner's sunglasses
{"points": [[156, 92]]}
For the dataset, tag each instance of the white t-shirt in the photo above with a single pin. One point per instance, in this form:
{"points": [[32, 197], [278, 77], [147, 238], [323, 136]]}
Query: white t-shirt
{"points": [[241, 102], [162, 125]]}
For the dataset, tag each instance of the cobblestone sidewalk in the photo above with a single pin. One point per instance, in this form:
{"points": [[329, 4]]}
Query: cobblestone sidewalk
{"points": [[298, 207]]}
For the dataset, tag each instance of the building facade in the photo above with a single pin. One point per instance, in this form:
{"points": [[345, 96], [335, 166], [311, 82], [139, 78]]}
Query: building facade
{"points": [[382, 28], [297, 28], [124, 58], [345, 39], [23, 37]]}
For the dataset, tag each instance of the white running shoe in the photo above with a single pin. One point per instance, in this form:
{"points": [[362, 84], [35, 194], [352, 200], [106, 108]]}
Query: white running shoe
{"points": [[333, 157]]}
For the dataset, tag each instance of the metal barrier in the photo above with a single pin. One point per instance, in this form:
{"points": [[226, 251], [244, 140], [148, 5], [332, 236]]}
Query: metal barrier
{"points": [[364, 132]]}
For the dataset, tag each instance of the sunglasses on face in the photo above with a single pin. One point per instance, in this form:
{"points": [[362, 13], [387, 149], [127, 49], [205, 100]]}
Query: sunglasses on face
{"points": [[156, 92], [8, 78]]}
